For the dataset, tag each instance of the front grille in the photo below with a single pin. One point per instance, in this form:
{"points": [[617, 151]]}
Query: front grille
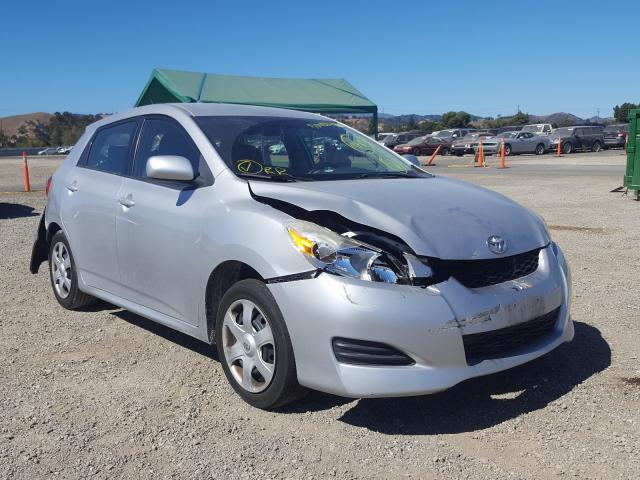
{"points": [[482, 273], [505, 342], [363, 352]]}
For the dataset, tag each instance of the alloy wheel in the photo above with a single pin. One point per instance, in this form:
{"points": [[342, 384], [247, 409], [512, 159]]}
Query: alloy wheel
{"points": [[61, 270], [248, 345]]}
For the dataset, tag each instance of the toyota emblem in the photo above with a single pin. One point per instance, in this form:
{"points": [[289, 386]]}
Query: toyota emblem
{"points": [[496, 244]]}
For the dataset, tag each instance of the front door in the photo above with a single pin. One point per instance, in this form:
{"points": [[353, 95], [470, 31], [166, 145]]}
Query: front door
{"points": [[159, 227]]}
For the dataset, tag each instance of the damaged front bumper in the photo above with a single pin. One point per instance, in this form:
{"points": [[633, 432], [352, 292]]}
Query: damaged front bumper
{"points": [[428, 325]]}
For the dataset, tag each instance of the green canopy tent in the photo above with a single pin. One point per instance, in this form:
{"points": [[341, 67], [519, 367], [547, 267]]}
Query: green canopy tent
{"points": [[327, 95]]}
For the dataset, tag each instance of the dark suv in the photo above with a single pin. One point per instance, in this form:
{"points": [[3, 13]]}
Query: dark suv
{"points": [[616, 135], [578, 138]]}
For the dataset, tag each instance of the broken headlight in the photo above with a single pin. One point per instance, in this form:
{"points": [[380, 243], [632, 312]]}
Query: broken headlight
{"points": [[342, 255]]}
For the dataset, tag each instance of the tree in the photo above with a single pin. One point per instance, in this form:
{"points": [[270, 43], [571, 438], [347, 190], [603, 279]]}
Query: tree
{"points": [[430, 126], [412, 125], [456, 119], [517, 119], [371, 127], [621, 112]]}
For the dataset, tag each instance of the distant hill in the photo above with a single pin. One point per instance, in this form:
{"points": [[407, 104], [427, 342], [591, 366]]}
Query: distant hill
{"points": [[10, 125]]}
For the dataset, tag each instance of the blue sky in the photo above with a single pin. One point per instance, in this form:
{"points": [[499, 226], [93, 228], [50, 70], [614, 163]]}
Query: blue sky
{"points": [[407, 56]]}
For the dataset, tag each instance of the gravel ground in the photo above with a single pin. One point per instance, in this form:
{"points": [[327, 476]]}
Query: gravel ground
{"points": [[107, 394]]}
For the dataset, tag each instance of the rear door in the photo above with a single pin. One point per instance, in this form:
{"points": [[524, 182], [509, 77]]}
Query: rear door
{"points": [[159, 230], [89, 209]]}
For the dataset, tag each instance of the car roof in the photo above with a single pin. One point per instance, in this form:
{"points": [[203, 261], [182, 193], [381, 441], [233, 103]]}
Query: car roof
{"points": [[207, 110]]}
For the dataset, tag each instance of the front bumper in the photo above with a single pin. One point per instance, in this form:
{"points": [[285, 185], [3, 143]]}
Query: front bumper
{"points": [[426, 324], [462, 149]]}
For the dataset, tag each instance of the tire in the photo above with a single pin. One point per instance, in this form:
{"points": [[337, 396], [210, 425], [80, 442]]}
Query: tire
{"points": [[539, 149], [444, 151], [269, 353], [64, 275], [415, 151], [567, 148], [597, 146], [507, 149]]}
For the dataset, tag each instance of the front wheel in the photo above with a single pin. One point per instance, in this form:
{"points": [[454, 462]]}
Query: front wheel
{"points": [[444, 151], [567, 148], [64, 275], [254, 347], [507, 149], [539, 149]]}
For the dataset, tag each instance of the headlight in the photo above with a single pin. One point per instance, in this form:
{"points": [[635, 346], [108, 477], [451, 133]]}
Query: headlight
{"points": [[345, 256]]}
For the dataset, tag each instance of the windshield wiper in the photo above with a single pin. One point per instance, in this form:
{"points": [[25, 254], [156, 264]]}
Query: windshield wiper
{"points": [[387, 175], [275, 178]]}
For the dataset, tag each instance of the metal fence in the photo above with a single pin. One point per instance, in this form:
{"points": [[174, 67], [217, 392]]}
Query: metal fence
{"points": [[16, 152]]}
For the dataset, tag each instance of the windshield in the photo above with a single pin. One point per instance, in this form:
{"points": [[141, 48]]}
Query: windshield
{"points": [[442, 134], [532, 128], [416, 141], [288, 149], [616, 128], [562, 132], [507, 135]]}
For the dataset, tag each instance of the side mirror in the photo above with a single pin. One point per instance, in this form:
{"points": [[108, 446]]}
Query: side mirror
{"points": [[169, 167]]}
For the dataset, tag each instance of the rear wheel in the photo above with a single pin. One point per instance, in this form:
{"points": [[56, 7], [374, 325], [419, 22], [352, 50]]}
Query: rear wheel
{"points": [[444, 151], [507, 149], [539, 149], [567, 147], [64, 276], [254, 347], [597, 146]]}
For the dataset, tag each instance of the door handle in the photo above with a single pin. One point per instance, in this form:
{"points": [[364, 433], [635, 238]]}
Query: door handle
{"points": [[73, 186], [126, 201]]}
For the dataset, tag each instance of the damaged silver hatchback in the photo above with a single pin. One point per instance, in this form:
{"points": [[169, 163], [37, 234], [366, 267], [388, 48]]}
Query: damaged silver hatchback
{"points": [[311, 256]]}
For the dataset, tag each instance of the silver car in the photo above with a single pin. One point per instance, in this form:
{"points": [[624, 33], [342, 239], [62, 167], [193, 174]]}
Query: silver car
{"points": [[517, 143], [344, 269]]}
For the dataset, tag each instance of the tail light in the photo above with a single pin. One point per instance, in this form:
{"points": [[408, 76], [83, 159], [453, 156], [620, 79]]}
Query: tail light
{"points": [[48, 187]]}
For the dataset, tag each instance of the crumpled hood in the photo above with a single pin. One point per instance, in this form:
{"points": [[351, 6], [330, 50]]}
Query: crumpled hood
{"points": [[436, 217]]}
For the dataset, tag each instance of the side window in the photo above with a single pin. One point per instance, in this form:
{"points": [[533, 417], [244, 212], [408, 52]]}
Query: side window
{"points": [[165, 137], [110, 148]]}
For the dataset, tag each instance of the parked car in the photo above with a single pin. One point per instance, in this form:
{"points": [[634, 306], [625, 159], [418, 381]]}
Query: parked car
{"points": [[382, 136], [63, 150], [578, 138], [538, 128], [424, 146], [389, 282], [49, 151], [615, 136], [452, 134], [398, 138], [468, 143], [516, 143]]}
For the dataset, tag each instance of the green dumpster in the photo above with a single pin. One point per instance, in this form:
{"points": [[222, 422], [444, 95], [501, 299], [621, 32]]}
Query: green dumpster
{"points": [[632, 175]]}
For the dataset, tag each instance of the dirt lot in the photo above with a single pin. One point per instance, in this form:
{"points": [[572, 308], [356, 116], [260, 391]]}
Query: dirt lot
{"points": [[107, 394]]}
